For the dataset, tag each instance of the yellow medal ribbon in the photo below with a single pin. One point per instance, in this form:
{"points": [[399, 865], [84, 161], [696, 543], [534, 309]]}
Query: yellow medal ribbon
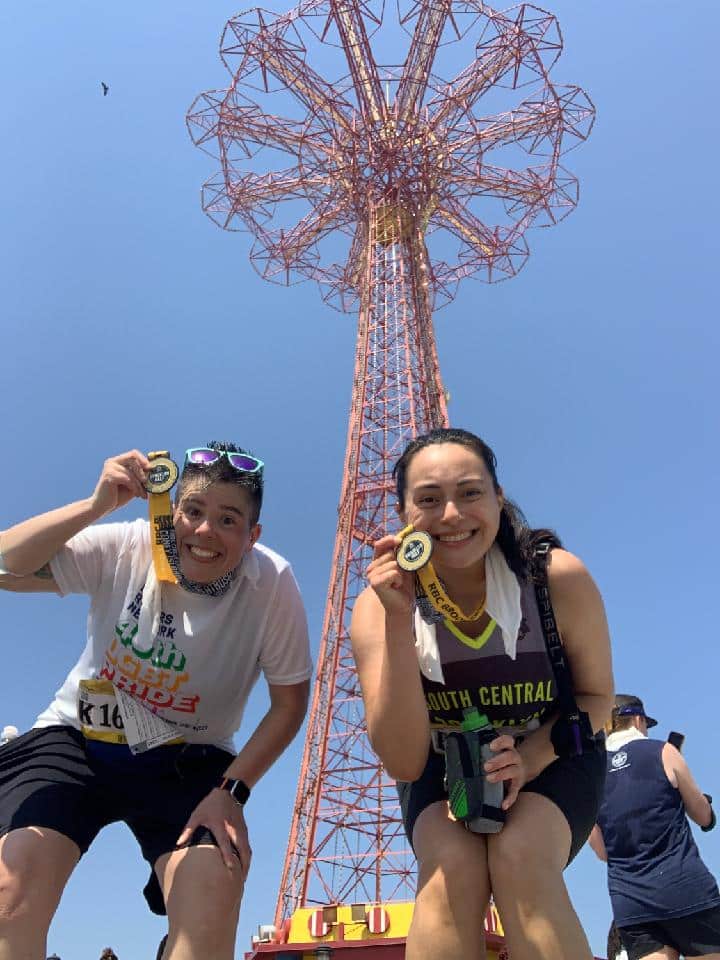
{"points": [[435, 592], [415, 557], [160, 480]]}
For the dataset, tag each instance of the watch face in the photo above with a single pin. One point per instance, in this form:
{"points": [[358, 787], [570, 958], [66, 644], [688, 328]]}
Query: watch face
{"points": [[239, 790]]}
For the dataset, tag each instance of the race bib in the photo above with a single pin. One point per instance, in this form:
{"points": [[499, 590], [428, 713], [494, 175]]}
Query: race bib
{"points": [[113, 716], [99, 713]]}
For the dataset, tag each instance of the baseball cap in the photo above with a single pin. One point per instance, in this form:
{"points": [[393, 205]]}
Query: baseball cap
{"points": [[629, 706]]}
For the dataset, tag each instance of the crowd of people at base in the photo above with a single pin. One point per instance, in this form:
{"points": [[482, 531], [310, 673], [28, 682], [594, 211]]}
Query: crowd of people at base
{"points": [[483, 656], [107, 954]]}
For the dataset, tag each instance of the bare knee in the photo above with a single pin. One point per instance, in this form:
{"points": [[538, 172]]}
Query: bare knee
{"points": [[445, 905], [216, 905], [14, 901], [203, 899], [514, 859], [453, 891], [530, 852], [34, 867], [452, 868]]}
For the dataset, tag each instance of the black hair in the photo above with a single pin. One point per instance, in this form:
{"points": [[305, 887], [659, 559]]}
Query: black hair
{"points": [[515, 538], [614, 943], [222, 471]]}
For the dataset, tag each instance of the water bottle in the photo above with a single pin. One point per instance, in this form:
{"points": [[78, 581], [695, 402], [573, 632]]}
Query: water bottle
{"points": [[472, 799]]}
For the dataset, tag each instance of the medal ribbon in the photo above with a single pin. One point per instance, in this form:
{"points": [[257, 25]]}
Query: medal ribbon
{"points": [[163, 535], [435, 592], [163, 532]]}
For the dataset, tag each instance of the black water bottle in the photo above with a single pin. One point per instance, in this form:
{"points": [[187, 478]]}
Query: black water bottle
{"points": [[472, 799]]}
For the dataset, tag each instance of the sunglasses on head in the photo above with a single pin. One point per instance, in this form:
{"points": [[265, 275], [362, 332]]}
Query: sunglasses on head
{"points": [[204, 456]]}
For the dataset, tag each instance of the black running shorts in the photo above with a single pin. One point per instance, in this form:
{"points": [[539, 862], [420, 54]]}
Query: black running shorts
{"points": [[53, 777], [575, 785], [693, 936]]}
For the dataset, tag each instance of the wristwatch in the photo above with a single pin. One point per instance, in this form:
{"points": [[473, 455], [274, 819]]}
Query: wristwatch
{"points": [[713, 818], [238, 790]]}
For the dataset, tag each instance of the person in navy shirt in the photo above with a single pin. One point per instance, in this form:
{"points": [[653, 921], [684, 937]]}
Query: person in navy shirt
{"points": [[665, 901]]}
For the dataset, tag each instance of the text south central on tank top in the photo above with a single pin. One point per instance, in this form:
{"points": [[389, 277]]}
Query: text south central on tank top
{"points": [[478, 673]]}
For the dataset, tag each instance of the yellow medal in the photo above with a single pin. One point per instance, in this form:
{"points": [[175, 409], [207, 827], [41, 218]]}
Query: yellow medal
{"points": [[163, 473], [415, 549], [413, 555]]}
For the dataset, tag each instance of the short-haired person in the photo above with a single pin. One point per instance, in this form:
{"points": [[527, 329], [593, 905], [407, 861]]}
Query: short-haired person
{"points": [[179, 651], [665, 901], [421, 669]]}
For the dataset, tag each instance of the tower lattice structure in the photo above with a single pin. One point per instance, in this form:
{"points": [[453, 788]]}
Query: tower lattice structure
{"points": [[386, 184]]}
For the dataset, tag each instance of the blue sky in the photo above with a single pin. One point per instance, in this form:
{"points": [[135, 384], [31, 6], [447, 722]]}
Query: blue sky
{"points": [[129, 320]]}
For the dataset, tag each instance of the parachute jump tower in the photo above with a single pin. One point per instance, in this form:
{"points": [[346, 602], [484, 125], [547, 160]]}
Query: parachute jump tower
{"points": [[352, 161]]}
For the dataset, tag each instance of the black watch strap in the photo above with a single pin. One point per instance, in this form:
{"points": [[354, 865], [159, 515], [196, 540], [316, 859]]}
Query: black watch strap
{"points": [[238, 790], [713, 818]]}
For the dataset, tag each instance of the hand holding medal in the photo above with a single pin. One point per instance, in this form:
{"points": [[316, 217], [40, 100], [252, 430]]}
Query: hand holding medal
{"points": [[402, 569], [414, 555], [393, 582], [122, 479]]}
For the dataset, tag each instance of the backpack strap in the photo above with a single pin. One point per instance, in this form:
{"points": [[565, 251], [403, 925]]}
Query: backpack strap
{"points": [[572, 732], [553, 643]]}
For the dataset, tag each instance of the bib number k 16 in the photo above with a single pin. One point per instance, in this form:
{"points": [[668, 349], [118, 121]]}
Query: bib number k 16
{"points": [[98, 712]]}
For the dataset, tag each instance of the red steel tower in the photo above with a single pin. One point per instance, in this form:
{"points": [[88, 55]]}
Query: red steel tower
{"points": [[387, 185]]}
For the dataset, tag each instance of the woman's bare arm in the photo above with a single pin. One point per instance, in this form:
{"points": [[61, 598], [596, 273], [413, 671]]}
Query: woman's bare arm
{"points": [[387, 666], [28, 547]]}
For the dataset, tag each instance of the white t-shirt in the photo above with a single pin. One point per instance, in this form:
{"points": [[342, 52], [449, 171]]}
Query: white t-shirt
{"points": [[208, 651]]}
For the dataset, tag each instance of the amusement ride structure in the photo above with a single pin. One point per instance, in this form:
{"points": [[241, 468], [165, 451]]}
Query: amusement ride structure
{"points": [[386, 184]]}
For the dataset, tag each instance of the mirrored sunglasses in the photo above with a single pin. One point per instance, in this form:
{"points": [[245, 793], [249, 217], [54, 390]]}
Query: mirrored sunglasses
{"points": [[204, 456]]}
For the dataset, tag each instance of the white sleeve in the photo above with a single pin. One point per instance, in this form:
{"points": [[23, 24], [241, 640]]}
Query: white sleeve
{"points": [[285, 654], [89, 557]]}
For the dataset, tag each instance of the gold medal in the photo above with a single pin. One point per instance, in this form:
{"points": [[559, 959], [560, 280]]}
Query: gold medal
{"points": [[414, 551], [163, 473], [413, 555]]}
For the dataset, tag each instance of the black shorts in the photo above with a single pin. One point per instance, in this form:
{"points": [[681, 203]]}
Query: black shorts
{"points": [[574, 785], [692, 936], [53, 777]]}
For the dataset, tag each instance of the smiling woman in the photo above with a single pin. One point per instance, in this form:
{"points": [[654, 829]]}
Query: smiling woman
{"points": [[492, 670], [182, 621]]}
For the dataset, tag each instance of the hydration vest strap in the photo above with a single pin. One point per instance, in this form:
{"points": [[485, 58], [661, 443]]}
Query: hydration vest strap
{"points": [[572, 734]]}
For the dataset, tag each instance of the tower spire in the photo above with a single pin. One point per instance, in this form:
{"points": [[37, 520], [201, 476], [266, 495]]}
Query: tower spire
{"points": [[372, 177]]}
